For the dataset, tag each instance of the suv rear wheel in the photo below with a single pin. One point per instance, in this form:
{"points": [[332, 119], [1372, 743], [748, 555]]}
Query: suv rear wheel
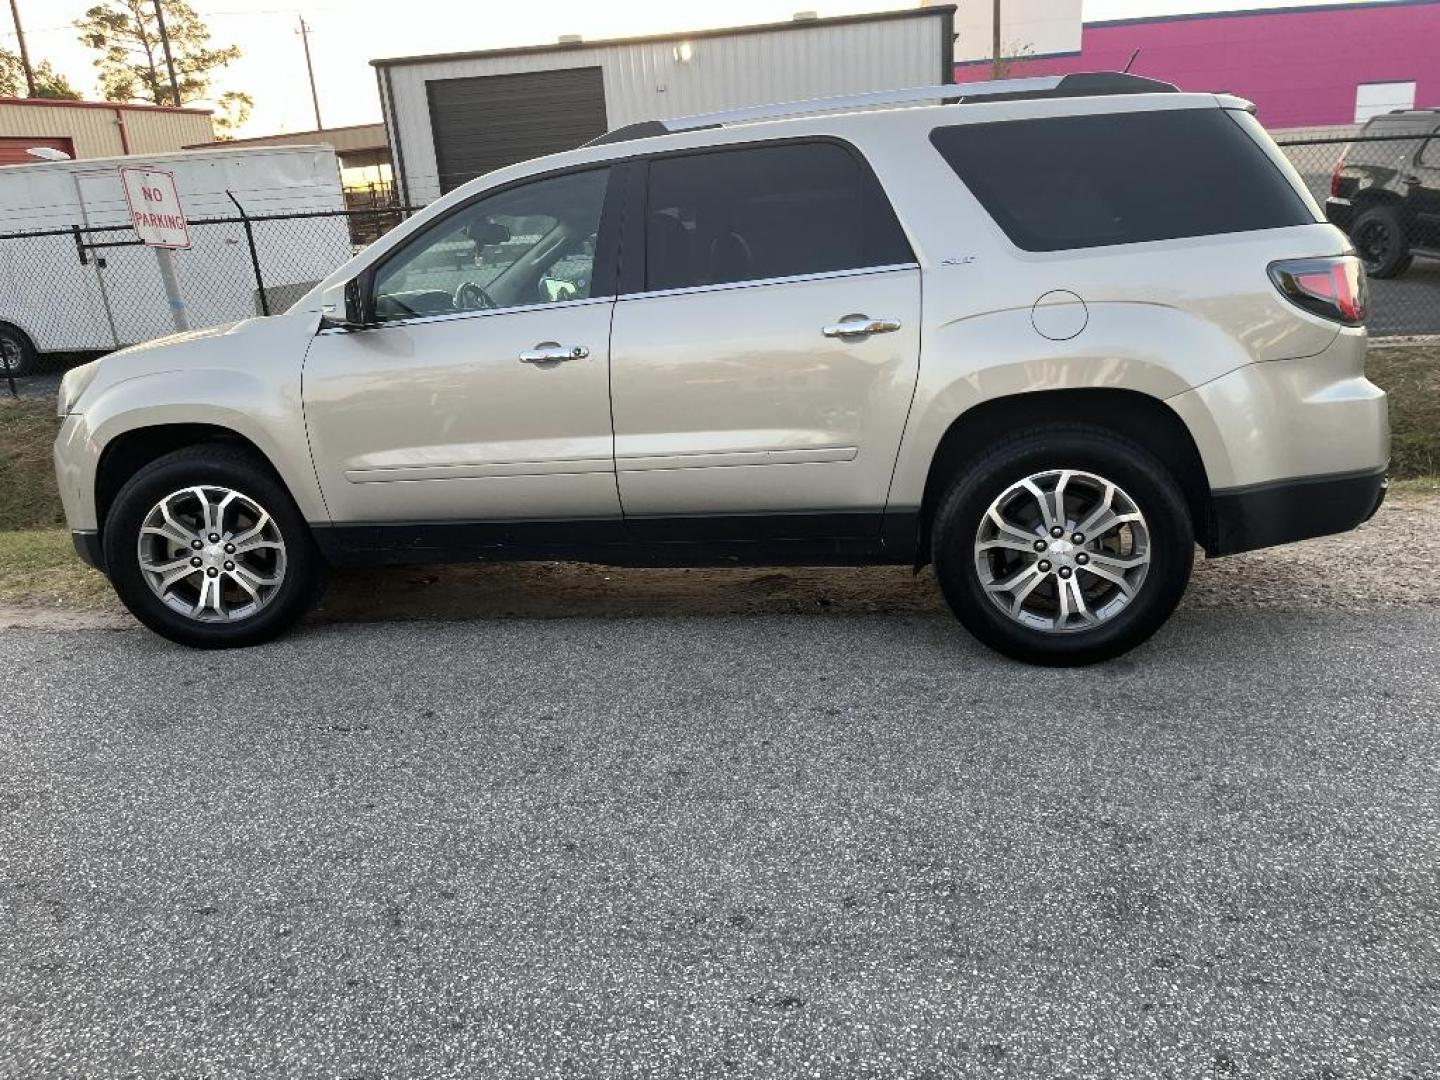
{"points": [[1064, 545], [1379, 238], [206, 547]]}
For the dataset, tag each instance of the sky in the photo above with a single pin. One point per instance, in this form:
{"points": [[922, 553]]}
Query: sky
{"points": [[347, 34]]}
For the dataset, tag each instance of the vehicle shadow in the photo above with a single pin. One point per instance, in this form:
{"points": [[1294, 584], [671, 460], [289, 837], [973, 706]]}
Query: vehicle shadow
{"points": [[1283, 578], [557, 590]]}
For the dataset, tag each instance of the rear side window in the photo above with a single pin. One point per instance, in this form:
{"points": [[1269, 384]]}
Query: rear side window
{"points": [[1430, 152], [1056, 183], [765, 212]]}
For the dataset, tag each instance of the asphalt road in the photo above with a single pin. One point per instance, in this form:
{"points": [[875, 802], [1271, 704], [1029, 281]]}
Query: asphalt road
{"points": [[724, 846]]}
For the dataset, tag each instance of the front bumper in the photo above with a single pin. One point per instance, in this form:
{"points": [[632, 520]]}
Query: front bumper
{"points": [[87, 546], [1263, 515]]}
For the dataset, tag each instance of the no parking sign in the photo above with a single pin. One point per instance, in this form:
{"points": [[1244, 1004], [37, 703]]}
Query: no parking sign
{"points": [[154, 206]]}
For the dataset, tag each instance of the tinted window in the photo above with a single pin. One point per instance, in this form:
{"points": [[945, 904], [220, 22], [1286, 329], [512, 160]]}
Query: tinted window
{"points": [[1391, 126], [532, 244], [765, 212], [1087, 181], [1430, 153]]}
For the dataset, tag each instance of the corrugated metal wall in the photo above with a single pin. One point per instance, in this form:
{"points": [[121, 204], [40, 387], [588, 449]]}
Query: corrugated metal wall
{"points": [[95, 132], [161, 132], [648, 80]]}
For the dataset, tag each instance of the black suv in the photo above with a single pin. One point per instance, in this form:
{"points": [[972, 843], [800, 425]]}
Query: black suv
{"points": [[1385, 190]]}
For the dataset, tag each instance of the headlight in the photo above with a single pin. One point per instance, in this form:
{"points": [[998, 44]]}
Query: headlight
{"points": [[74, 384]]}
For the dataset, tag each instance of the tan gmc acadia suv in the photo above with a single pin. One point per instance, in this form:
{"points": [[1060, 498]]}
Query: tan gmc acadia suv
{"points": [[1044, 334]]}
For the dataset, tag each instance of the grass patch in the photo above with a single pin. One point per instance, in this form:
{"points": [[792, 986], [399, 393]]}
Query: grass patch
{"points": [[39, 566], [28, 498], [1411, 376]]}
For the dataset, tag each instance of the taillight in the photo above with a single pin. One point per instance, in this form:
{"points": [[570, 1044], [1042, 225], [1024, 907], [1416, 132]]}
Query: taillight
{"points": [[1335, 178], [1333, 288]]}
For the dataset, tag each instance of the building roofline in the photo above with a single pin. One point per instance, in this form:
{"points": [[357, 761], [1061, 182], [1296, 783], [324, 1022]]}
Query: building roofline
{"points": [[321, 132], [1027, 57], [126, 106], [937, 10], [1240, 13]]}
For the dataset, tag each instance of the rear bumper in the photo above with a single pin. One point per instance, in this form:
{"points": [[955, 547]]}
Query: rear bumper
{"points": [[1284, 511], [1340, 212]]}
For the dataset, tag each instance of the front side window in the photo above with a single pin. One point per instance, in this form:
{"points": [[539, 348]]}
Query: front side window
{"points": [[765, 212], [532, 244]]}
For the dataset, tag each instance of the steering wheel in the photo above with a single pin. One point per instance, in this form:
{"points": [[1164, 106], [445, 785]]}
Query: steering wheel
{"points": [[472, 297]]}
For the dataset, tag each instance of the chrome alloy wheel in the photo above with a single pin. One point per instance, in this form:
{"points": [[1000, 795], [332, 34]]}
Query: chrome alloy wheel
{"points": [[1062, 551], [212, 554], [9, 353]]}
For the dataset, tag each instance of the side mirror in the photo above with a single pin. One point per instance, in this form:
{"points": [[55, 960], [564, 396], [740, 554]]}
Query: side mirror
{"points": [[341, 307]]}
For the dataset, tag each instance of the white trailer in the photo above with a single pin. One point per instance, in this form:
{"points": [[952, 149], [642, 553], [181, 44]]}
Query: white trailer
{"points": [[454, 116], [66, 288]]}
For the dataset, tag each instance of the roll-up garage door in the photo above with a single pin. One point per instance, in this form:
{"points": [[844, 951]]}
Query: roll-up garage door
{"points": [[489, 121]]}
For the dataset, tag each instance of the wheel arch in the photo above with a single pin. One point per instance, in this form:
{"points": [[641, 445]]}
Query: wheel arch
{"points": [[27, 339], [8, 323], [131, 450], [1130, 413]]}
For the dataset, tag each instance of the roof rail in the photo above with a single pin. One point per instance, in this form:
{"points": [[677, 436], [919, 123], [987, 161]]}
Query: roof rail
{"points": [[1077, 84]]}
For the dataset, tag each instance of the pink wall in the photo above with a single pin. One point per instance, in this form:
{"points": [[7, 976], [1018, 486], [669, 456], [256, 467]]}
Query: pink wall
{"points": [[1300, 66]]}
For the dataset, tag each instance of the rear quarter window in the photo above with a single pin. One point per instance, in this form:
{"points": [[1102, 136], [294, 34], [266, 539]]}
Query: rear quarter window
{"points": [[1058, 183]]}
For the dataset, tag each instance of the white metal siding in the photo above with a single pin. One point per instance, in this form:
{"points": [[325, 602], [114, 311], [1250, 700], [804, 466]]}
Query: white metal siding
{"points": [[646, 81]]}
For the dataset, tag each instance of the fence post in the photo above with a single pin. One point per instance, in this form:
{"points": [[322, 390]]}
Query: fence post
{"points": [[254, 255]]}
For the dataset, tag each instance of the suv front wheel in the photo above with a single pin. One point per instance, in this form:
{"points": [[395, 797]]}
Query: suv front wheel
{"points": [[206, 547], [1063, 545]]}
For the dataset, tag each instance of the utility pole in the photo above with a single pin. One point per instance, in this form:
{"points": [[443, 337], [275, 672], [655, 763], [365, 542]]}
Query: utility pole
{"points": [[304, 33], [169, 60], [995, 42], [24, 52]]}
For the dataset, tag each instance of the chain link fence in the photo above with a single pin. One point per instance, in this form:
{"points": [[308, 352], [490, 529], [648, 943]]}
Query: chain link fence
{"points": [[88, 290], [82, 289], [1385, 193]]}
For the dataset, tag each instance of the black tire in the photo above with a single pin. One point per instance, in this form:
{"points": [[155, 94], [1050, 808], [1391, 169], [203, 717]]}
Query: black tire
{"points": [[17, 353], [1118, 460], [1380, 238], [220, 465]]}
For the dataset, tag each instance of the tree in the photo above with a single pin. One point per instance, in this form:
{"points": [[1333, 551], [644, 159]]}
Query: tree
{"points": [[232, 109], [132, 67], [49, 83]]}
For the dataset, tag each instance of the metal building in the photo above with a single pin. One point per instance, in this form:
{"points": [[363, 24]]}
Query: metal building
{"points": [[453, 116], [90, 129]]}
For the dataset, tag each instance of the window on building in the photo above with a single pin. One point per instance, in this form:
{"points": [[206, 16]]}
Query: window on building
{"points": [[1373, 99]]}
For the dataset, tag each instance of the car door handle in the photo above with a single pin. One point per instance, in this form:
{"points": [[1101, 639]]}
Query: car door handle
{"points": [[552, 352], [1410, 179], [853, 326]]}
